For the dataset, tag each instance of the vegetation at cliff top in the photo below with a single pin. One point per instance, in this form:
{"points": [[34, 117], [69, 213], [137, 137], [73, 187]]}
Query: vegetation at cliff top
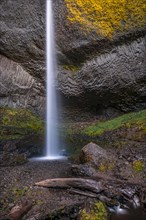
{"points": [[106, 17], [136, 119], [16, 123]]}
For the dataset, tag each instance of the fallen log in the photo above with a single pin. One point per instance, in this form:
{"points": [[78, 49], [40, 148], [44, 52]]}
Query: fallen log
{"points": [[78, 183]]}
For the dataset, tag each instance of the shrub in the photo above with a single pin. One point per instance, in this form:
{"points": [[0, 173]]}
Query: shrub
{"points": [[97, 212]]}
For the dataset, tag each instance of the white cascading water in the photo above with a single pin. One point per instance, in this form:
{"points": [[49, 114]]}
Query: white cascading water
{"points": [[52, 139], [52, 151]]}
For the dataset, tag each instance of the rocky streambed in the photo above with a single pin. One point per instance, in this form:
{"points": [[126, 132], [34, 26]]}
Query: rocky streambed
{"points": [[101, 180], [115, 197]]}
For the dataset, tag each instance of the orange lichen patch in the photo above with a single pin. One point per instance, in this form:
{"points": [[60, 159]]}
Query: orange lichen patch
{"points": [[107, 17]]}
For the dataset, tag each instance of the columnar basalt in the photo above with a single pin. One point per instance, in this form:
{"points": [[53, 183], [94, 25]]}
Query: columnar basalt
{"points": [[93, 70]]}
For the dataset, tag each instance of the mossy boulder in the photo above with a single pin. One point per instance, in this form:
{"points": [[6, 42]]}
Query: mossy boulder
{"points": [[21, 132], [91, 157], [17, 123]]}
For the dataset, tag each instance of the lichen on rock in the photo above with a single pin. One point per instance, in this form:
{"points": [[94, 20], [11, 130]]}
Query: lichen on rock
{"points": [[107, 17]]}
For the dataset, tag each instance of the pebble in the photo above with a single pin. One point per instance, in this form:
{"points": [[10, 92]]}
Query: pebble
{"points": [[11, 205]]}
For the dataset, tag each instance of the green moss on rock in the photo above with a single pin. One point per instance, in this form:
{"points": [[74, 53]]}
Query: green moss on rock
{"points": [[17, 123], [136, 119], [72, 68], [98, 211], [114, 133]]}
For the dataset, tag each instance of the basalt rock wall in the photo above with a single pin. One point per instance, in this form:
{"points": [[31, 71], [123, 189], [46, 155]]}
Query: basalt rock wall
{"points": [[114, 78], [92, 70], [22, 59]]}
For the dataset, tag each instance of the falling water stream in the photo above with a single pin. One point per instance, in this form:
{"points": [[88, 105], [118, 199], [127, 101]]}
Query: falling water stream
{"points": [[53, 150], [52, 137], [52, 142]]}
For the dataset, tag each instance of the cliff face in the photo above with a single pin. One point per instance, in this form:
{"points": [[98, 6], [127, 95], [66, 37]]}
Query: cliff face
{"points": [[99, 68], [114, 78], [22, 60], [93, 69]]}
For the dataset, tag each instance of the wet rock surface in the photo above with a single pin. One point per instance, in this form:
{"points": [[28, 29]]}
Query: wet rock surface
{"points": [[16, 152]]}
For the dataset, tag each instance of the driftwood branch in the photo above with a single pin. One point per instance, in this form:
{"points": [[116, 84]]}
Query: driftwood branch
{"points": [[77, 183], [83, 193]]}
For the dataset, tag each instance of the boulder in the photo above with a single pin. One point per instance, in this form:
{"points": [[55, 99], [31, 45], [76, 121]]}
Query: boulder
{"points": [[93, 154], [82, 170]]}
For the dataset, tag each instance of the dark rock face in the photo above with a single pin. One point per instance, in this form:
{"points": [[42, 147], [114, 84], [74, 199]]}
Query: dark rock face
{"points": [[13, 152], [22, 60], [91, 71], [116, 78], [23, 34], [100, 72], [18, 87]]}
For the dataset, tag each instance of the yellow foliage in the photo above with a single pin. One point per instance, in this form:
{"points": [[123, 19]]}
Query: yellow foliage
{"points": [[107, 17], [102, 167], [97, 212], [106, 167], [138, 166]]}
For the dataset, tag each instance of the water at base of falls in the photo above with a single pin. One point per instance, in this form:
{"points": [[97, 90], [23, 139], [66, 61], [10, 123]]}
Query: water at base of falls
{"points": [[49, 158]]}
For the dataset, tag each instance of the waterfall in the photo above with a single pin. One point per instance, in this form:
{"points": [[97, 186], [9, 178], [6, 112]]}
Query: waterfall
{"points": [[53, 150], [52, 137]]}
